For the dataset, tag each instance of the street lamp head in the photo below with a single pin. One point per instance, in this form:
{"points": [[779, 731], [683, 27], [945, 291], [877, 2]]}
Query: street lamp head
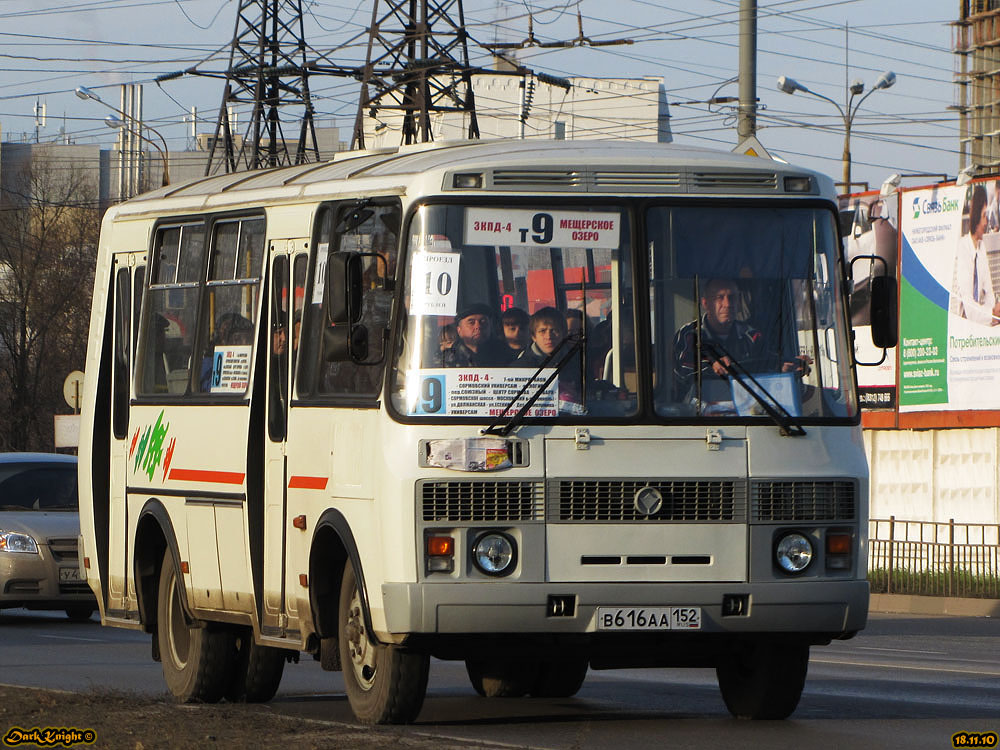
{"points": [[857, 86], [84, 93], [113, 122], [886, 80], [790, 85]]}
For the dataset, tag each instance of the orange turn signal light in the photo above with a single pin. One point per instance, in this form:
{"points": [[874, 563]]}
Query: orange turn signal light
{"points": [[838, 544], [440, 546]]}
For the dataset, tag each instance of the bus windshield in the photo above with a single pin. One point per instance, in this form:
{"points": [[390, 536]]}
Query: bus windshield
{"points": [[531, 309]]}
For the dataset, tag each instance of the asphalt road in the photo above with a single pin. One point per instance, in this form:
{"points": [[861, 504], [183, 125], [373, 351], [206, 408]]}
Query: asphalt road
{"points": [[906, 681]]}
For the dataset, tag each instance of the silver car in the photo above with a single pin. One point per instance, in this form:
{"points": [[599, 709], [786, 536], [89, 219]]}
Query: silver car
{"points": [[39, 529]]}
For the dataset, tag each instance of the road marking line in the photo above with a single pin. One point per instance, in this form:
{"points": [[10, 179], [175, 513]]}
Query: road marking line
{"points": [[898, 650], [900, 666], [72, 638]]}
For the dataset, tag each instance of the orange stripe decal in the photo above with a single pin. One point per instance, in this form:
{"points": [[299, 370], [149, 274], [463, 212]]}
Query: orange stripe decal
{"points": [[307, 483], [213, 477]]}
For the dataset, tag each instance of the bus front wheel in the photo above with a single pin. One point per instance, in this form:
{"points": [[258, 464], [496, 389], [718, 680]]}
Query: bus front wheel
{"points": [[385, 683], [196, 658], [763, 679]]}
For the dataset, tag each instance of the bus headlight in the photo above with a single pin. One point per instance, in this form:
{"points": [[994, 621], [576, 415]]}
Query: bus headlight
{"points": [[793, 553], [495, 553]]}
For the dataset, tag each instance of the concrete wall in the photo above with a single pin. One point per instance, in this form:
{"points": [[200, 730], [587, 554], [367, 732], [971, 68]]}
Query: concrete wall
{"points": [[935, 475]]}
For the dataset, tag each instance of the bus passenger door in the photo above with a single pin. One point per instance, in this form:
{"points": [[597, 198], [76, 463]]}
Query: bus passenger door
{"points": [[127, 283], [288, 267]]}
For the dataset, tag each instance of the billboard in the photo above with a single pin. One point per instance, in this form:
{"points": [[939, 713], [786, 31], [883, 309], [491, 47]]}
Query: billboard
{"points": [[950, 258], [870, 226]]}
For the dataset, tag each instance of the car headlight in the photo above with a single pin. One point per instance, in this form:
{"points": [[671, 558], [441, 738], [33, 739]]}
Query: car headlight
{"points": [[495, 554], [793, 553], [13, 541]]}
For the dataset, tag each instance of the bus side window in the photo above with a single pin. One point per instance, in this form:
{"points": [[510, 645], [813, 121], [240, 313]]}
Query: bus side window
{"points": [[373, 228], [229, 312], [167, 334], [122, 360]]}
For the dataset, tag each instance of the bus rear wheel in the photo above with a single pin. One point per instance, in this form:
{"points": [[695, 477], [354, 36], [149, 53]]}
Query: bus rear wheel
{"points": [[505, 676], [196, 658], [257, 670], [763, 679], [385, 683], [560, 677]]}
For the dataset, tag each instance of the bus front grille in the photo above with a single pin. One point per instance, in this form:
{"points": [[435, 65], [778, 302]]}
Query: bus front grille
{"points": [[481, 501], [802, 501], [615, 500]]}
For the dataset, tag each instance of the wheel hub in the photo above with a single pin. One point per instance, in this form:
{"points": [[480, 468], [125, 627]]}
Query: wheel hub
{"points": [[361, 650]]}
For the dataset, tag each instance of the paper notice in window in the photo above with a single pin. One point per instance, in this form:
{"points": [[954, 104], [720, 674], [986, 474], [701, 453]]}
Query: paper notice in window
{"points": [[231, 369], [434, 283]]}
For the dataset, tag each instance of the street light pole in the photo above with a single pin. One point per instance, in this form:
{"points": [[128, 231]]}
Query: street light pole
{"points": [[113, 122], [884, 81]]}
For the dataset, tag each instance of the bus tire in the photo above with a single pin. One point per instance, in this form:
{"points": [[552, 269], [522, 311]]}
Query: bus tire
{"points": [[385, 683], [196, 659], [763, 679], [501, 677], [561, 677], [256, 672]]}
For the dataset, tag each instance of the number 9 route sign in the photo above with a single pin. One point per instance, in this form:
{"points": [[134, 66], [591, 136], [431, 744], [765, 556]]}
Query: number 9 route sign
{"points": [[513, 227]]}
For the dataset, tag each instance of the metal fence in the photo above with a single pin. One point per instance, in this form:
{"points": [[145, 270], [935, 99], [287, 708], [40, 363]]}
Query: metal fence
{"points": [[934, 558]]}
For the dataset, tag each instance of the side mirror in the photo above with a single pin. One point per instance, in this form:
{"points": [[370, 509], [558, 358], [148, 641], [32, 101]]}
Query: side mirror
{"points": [[345, 342], [884, 312], [344, 289]]}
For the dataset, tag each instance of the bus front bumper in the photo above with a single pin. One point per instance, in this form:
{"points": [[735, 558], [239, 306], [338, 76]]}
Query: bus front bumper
{"points": [[823, 607]]}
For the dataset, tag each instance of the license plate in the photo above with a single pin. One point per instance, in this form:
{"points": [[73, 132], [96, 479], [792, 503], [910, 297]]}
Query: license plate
{"points": [[69, 574], [649, 618]]}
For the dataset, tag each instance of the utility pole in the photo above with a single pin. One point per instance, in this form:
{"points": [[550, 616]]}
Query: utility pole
{"points": [[268, 70], [417, 63], [746, 124]]}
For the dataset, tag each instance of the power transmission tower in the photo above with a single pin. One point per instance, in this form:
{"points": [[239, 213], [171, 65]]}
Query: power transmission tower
{"points": [[417, 63], [268, 70]]}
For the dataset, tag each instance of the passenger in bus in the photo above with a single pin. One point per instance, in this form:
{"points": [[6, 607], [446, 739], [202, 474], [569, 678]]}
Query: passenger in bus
{"points": [[447, 336], [548, 332], [515, 330], [475, 346], [575, 322], [547, 328]]}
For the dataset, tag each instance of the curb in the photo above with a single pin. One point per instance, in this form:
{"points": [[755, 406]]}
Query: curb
{"points": [[934, 605]]}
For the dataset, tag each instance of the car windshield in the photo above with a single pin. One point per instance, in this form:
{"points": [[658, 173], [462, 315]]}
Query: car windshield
{"points": [[38, 487], [757, 287], [498, 294]]}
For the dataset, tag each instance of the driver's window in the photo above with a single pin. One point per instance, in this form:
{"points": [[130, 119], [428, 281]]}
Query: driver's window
{"points": [[367, 227]]}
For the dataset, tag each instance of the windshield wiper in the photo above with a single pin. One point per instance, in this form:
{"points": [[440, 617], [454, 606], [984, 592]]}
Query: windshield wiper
{"points": [[515, 420], [774, 409]]}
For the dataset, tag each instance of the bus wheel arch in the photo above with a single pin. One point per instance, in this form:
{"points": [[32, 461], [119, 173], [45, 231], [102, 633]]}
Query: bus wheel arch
{"points": [[333, 548], [154, 534]]}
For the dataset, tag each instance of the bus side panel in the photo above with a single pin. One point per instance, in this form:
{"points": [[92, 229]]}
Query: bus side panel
{"points": [[190, 453], [332, 457]]}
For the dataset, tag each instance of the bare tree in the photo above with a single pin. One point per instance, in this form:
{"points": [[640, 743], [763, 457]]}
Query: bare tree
{"points": [[49, 230]]}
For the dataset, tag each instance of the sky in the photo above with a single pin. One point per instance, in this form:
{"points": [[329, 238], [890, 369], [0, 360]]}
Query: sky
{"points": [[49, 47]]}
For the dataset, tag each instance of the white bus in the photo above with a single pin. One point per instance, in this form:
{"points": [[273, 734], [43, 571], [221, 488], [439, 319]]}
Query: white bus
{"points": [[543, 407]]}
